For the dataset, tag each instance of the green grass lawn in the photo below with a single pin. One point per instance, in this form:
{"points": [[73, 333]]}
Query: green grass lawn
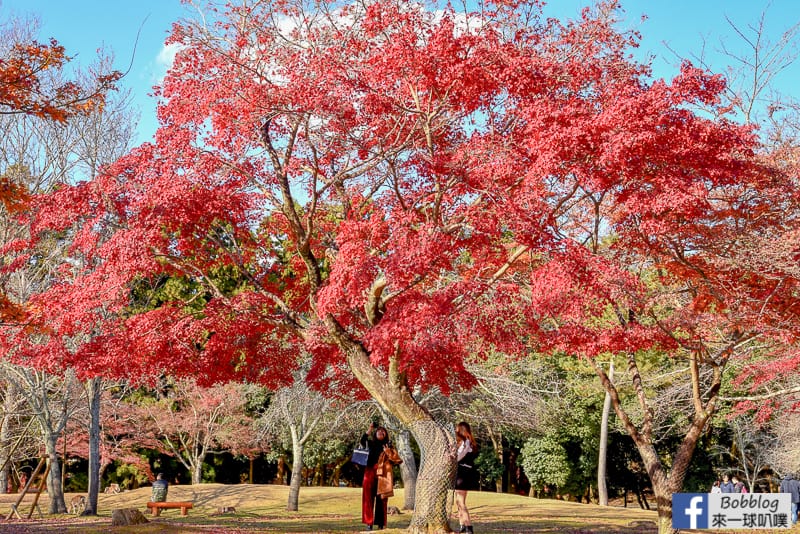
{"points": [[262, 508]]}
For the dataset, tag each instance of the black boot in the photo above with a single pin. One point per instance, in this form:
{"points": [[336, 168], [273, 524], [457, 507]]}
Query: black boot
{"points": [[469, 530], [462, 529]]}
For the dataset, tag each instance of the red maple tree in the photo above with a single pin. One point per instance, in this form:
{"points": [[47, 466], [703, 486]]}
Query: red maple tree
{"points": [[395, 190]]}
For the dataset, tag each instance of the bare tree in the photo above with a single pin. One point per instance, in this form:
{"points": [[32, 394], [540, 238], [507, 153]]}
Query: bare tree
{"points": [[751, 451], [298, 411], [784, 455], [16, 444], [52, 400]]}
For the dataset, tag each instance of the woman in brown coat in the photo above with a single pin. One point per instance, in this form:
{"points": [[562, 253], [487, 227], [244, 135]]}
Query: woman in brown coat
{"points": [[383, 469]]}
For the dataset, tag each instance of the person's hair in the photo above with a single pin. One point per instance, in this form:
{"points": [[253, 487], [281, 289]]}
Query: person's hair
{"points": [[160, 476], [385, 432], [716, 482], [464, 432]]}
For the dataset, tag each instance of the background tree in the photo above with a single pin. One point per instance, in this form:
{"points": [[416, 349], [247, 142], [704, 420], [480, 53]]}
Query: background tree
{"points": [[54, 131], [748, 455], [783, 455], [298, 410], [546, 464], [52, 400], [191, 422], [18, 442], [32, 83]]}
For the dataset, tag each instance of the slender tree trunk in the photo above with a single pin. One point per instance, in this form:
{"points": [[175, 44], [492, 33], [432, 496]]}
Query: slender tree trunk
{"points": [[408, 469], [197, 471], [297, 473], [497, 443], [54, 488], [5, 436], [665, 485], [280, 475], [94, 387], [602, 489]]}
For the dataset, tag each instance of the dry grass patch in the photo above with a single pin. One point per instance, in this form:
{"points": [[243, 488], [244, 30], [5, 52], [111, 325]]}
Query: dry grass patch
{"points": [[262, 508]]}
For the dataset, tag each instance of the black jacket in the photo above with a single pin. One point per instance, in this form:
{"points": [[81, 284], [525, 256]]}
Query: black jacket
{"points": [[375, 448], [790, 485]]}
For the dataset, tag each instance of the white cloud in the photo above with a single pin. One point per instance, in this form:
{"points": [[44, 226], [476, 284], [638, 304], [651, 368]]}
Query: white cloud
{"points": [[166, 56]]}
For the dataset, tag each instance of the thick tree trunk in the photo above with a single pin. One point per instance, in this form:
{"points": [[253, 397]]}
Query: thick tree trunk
{"points": [[94, 388], [663, 486], [297, 474], [408, 469], [54, 488], [435, 479], [437, 444], [663, 491]]}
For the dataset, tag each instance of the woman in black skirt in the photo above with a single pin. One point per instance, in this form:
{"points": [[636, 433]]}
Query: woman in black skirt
{"points": [[466, 474]]}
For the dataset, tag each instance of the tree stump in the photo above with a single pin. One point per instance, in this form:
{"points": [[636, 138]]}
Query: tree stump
{"points": [[127, 516]]}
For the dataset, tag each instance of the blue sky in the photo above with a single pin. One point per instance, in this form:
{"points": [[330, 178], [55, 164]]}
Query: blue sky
{"points": [[83, 26]]}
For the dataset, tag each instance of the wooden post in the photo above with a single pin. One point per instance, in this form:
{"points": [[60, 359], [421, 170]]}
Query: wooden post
{"points": [[42, 485], [25, 489]]}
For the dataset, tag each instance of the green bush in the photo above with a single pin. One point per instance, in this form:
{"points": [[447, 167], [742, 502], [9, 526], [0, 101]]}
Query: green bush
{"points": [[545, 462]]}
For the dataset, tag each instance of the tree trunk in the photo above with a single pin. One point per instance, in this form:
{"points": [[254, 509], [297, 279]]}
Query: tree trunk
{"points": [[664, 507], [437, 444], [435, 479], [408, 469], [336, 475], [7, 450], [94, 387], [663, 485], [297, 473], [497, 443], [5, 445], [54, 488], [602, 489], [280, 475], [197, 471]]}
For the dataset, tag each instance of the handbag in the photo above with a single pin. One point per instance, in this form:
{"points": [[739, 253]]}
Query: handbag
{"points": [[360, 455]]}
